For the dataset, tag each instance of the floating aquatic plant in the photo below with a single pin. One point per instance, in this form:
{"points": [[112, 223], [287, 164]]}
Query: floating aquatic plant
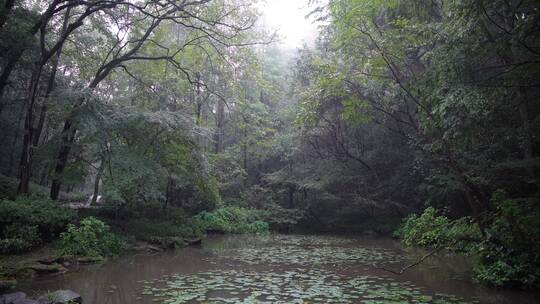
{"points": [[309, 286]]}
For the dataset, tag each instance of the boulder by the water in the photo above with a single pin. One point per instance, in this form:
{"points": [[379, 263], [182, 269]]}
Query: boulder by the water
{"points": [[57, 297], [145, 246], [192, 242], [61, 297], [17, 298], [44, 268], [168, 242], [13, 298], [48, 260], [90, 259]]}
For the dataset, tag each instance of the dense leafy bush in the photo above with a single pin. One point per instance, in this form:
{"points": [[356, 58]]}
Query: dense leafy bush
{"points": [[91, 238], [19, 238], [510, 253], [27, 221], [507, 254], [426, 230], [431, 230], [232, 220]]}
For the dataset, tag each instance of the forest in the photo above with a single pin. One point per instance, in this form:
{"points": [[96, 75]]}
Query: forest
{"points": [[158, 125]]}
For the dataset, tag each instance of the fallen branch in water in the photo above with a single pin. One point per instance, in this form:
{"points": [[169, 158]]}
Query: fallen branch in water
{"points": [[427, 255]]}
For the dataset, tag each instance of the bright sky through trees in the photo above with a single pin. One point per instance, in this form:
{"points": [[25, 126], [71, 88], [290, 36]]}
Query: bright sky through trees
{"points": [[288, 17]]}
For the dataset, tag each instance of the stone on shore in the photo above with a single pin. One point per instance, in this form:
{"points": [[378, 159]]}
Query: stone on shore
{"points": [[61, 297]]}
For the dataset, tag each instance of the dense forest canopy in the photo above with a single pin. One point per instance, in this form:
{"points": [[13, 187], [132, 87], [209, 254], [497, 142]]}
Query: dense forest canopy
{"points": [[399, 106]]}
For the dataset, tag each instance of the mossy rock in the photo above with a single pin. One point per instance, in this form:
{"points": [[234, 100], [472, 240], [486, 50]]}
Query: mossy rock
{"points": [[62, 297], [90, 259], [168, 242], [193, 242], [147, 248], [44, 268], [49, 260]]}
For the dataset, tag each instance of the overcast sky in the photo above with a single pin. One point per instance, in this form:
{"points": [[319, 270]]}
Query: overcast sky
{"points": [[288, 17]]}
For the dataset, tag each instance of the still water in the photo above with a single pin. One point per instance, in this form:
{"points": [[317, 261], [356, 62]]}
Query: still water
{"points": [[280, 269]]}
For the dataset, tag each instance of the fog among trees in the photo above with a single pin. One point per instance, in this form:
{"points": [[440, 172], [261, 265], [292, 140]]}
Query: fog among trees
{"points": [[161, 118]]}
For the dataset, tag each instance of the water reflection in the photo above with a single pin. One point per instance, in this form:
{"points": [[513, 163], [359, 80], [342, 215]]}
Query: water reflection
{"points": [[122, 280]]}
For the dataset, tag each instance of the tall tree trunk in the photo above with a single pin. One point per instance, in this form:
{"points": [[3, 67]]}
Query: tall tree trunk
{"points": [[51, 82], [98, 180], [68, 137], [15, 53], [12, 58], [220, 124], [6, 9], [245, 148], [291, 191], [31, 134], [25, 165], [528, 152], [198, 100], [14, 143]]}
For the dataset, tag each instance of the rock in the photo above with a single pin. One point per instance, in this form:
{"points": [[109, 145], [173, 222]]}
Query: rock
{"points": [[90, 259], [169, 242], [50, 260], [6, 285], [192, 242], [43, 268], [151, 248], [63, 297], [13, 298]]}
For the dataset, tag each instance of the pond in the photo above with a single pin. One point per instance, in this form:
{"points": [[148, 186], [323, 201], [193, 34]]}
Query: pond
{"points": [[280, 269]]}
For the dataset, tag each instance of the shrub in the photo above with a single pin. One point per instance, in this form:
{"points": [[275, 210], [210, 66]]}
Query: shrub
{"points": [[91, 238], [431, 230], [425, 230], [27, 221], [510, 252], [232, 220], [19, 238]]}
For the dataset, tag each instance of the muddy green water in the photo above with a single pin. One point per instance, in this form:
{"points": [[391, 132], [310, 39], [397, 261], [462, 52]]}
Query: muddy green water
{"points": [[280, 269]]}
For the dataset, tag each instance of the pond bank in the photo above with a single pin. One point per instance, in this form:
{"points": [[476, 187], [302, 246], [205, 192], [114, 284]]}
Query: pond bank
{"points": [[49, 261]]}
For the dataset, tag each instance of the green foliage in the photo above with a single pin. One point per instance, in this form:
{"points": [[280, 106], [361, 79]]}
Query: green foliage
{"points": [[8, 188], [281, 218], [19, 238], [28, 221], [426, 230], [91, 238], [510, 253], [232, 220], [433, 231], [507, 254], [354, 112]]}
